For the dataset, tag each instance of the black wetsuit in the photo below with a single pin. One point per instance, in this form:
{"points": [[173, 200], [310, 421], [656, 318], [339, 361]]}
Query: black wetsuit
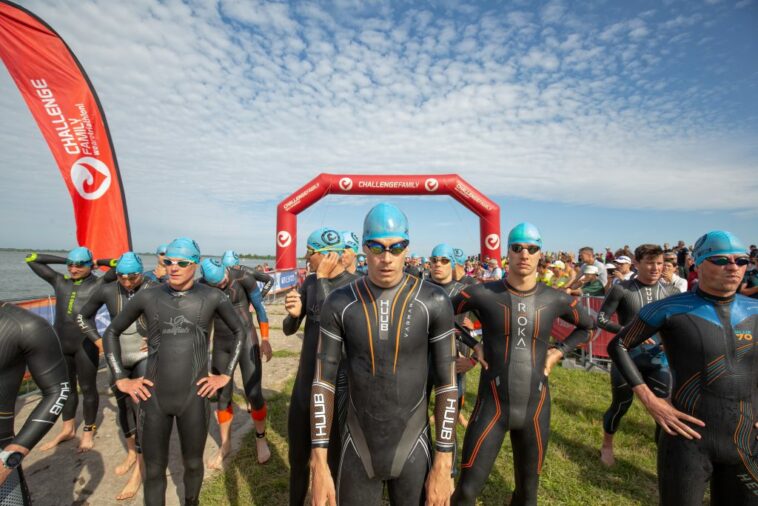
{"points": [[132, 341], [178, 327], [451, 289], [388, 335], [313, 292], [27, 340], [242, 291], [513, 393], [626, 298], [710, 344], [81, 354]]}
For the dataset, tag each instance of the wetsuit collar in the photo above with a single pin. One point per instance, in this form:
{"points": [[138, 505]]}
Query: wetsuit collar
{"points": [[403, 278], [519, 292], [714, 298]]}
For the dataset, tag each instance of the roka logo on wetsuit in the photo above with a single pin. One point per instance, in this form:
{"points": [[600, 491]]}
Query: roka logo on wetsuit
{"points": [[91, 177], [283, 239], [492, 241], [431, 184], [346, 184]]}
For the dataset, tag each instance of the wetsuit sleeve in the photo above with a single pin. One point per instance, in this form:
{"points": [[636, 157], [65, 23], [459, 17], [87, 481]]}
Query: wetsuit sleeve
{"points": [[610, 304], [268, 282], [111, 344], [442, 347], [226, 311], [110, 274], [290, 324], [463, 336], [42, 352], [86, 318], [38, 263], [327, 360], [644, 326], [580, 319], [255, 297]]}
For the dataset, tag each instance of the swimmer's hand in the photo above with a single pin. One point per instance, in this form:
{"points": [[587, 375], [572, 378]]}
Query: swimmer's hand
{"points": [[464, 364], [327, 265], [479, 355], [322, 484], [136, 388], [99, 346], [266, 349], [293, 303], [667, 416], [209, 384], [554, 355], [439, 486]]}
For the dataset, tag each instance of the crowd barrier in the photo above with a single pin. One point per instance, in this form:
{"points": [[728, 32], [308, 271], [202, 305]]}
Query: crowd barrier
{"points": [[595, 352]]}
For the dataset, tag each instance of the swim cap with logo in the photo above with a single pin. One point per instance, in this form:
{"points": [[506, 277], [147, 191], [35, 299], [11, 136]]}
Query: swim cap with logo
{"points": [[230, 258], [385, 220], [213, 270], [325, 240], [351, 240], [129, 263], [80, 254], [184, 247], [445, 251], [525, 233], [460, 256], [717, 242]]}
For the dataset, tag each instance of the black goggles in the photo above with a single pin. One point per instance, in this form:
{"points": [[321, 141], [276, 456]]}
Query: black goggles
{"points": [[71, 263], [531, 248], [377, 248], [442, 260], [722, 261]]}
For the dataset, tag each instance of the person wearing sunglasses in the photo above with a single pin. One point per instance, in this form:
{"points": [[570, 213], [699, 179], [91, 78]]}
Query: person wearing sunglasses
{"points": [[324, 248], [626, 298], [159, 273], [28, 342], [388, 324], [517, 316], [176, 385], [230, 258], [709, 337], [114, 296], [239, 284], [82, 355]]}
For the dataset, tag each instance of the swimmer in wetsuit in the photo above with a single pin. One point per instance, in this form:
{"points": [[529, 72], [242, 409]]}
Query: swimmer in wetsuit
{"points": [[176, 385], [626, 298], [133, 356], [324, 247], [232, 259], [241, 288], [459, 273], [350, 254], [26, 341], [388, 324], [82, 355], [709, 337], [517, 316]]}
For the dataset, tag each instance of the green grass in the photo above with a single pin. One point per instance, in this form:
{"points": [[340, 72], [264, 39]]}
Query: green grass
{"points": [[572, 473]]}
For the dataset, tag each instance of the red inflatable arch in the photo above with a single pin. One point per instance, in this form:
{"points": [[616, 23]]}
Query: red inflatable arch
{"points": [[354, 184]]}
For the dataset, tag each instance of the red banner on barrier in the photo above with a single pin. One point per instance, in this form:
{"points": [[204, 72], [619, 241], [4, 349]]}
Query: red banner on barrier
{"points": [[67, 111], [600, 338]]}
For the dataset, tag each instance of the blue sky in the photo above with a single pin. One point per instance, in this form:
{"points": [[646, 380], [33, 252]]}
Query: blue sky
{"points": [[604, 123]]}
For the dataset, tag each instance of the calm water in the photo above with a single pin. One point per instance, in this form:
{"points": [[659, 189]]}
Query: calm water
{"points": [[17, 281]]}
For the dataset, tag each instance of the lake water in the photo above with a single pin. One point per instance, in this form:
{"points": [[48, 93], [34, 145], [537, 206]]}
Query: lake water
{"points": [[18, 281]]}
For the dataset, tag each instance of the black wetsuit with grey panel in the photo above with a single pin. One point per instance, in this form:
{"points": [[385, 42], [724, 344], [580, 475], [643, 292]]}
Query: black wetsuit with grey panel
{"points": [[513, 393], [313, 293], [626, 298], [81, 355], [178, 328], [133, 343], [28, 341]]}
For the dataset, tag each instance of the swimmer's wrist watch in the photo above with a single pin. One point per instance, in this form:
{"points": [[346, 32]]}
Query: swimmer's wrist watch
{"points": [[11, 460]]}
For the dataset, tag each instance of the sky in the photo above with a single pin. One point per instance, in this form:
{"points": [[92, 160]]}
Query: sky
{"points": [[604, 123]]}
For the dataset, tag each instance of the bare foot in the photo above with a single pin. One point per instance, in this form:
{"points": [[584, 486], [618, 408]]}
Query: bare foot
{"points": [[87, 442], [261, 447], [63, 436], [132, 486], [217, 461], [606, 456], [129, 461]]}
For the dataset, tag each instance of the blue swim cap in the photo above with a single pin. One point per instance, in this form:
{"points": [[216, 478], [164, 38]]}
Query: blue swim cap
{"points": [[445, 251], [161, 249], [361, 257], [80, 254], [351, 240], [184, 247], [213, 270], [385, 220], [460, 256], [326, 239], [525, 233], [129, 263], [414, 256], [230, 258], [717, 242], [424, 260]]}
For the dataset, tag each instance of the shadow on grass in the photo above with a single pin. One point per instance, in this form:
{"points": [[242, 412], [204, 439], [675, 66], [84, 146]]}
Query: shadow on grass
{"points": [[628, 424]]}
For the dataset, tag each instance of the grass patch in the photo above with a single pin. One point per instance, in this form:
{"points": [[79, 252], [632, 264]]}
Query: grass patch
{"points": [[572, 473], [285, 354]]}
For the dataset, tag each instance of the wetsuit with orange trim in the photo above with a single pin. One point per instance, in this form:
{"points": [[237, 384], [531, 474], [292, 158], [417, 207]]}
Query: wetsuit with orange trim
{"points": [[513, 393], [388, 335], [242, 291], [313, 293], [710, 344], [626, 299]]}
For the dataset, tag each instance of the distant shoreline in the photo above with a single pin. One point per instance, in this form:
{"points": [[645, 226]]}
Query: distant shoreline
{"points": [[250, 256]]}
